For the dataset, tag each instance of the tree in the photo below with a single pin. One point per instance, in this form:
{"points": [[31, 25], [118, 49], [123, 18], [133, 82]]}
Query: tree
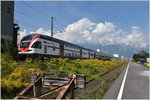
{"points": [[8, 48], [142, 54]]}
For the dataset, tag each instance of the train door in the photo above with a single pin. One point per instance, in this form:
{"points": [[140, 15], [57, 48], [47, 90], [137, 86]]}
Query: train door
{"points": [[61, 49], [89, 54], [80, 53], [45, 49]]}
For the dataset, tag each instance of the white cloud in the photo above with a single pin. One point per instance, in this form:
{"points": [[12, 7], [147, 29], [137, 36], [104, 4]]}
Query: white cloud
{"points": [[135, 38], [80, 25], [104, 27], [78, 32], [21, 35], [43, 31], [107, 33]]}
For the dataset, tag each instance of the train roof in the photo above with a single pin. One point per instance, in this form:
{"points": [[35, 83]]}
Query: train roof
{"points": [[57, 40], [30, 36]]}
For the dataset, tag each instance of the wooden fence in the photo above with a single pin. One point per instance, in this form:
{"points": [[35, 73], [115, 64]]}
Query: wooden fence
{"points": [[52, 86]]}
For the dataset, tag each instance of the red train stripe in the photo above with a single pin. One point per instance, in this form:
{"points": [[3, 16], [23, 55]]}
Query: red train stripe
{"points": [[35, 37]]}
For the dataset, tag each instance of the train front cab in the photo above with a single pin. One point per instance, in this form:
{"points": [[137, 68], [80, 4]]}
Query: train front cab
{"points": [[29, 47]]}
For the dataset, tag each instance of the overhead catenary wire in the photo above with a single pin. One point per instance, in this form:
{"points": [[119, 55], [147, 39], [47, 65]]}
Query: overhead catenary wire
{"points": [[36, 9], [60, 23], [42, 13], [23, 23], [35, 26], [34, 18]]}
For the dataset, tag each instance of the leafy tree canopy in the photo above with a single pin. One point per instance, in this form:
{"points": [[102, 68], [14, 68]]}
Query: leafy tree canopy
{"points": [[142, 54]]}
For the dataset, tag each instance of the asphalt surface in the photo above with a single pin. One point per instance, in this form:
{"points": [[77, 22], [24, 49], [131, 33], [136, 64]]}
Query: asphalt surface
{"points": [[136, 84]]}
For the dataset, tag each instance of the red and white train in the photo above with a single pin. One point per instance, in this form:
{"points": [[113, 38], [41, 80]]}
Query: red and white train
{"points": [[39, 46]]}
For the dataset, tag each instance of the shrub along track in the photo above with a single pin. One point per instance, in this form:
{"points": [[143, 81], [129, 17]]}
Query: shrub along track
{"points": [[96, 88]]}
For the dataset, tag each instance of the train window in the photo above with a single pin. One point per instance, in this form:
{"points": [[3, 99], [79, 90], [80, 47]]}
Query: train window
{"points": [[69, 46], [66, 45], [53, 48], [24, 44], [69, 54], [65, 54], [75, 54], [37, 44]]}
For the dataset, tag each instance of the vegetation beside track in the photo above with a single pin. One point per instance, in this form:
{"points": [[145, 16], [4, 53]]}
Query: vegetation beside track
{"points": [[96, 88], [147, 65], [16, 76]]}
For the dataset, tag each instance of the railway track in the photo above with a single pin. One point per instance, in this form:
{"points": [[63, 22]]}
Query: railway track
{"points": [[105, 73]]}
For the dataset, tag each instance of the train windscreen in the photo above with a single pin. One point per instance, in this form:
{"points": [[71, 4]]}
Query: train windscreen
{"points": [[24, 44], [26, 41]]}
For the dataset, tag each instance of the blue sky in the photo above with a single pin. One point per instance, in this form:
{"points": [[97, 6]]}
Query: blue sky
{"points": [[124, 14]]}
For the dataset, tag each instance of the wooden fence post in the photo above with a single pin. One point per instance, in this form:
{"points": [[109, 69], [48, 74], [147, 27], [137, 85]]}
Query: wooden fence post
{"points": [[37, 86], [72, 91]]}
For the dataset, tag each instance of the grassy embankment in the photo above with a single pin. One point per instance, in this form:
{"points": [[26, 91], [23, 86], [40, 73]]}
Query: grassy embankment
{"points": [[16, 76], [147, 65]]}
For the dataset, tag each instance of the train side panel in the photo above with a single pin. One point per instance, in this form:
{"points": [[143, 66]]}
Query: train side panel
{"points": [[85, 53], [91, 54], [51, 48], [71, 51]]}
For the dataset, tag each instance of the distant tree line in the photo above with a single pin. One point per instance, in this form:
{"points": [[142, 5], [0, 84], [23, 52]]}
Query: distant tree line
{"points": [[141, 55]]}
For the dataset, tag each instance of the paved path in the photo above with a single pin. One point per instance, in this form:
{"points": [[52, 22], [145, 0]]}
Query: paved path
{"points": [[133, 83]]}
